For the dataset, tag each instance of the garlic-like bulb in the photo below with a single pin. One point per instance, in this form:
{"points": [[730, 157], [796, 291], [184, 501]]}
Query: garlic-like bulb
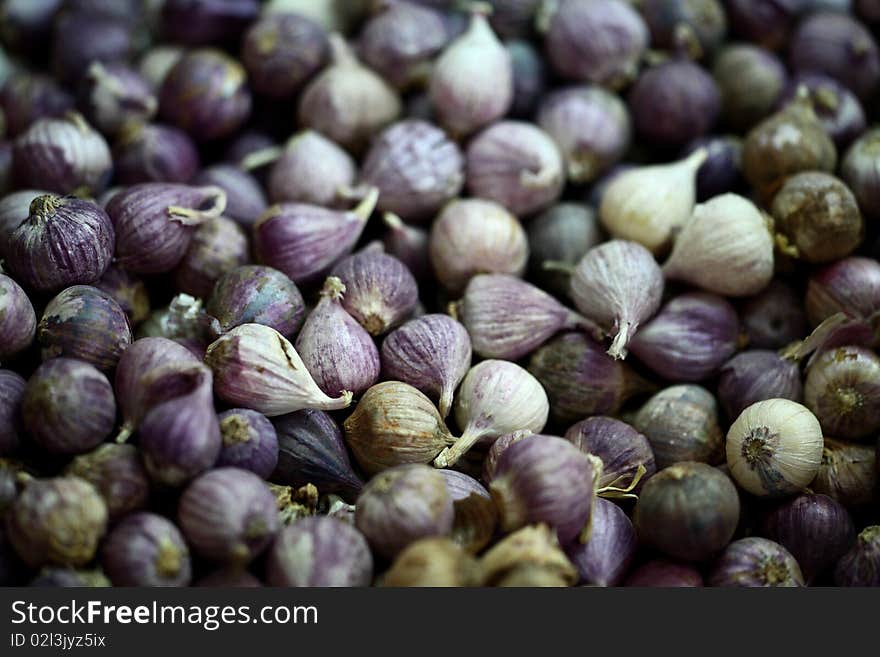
{"points": [[774, 448], [725, 248], [495, 398], [648, 204], [256, 367]]}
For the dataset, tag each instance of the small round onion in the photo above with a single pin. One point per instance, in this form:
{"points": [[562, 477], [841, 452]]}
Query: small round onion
{"points": [[218, 246], [249, 442], [117, 474], [861, 172], [68, 406], [62, 155], [516, 164], [319, 552], [622, 450], [847, 473], [128, 291], [401, 505], [751, 81], [681, 424], [18, 322], [774, 448], [25, 98], [64, 241], [112, 95], [837, 107], [12, 387], [150, 152], [861, 565], [56, 521], [245, 199], [694, 26], [312, 169], [843, 389], [228, 515], [721, 172], [775, 317], [259, 295], [206, 94], [674, 102], [474, 236], [145, 549], [82, 37], [840, 46], [757, 375], [688, 511], [754, 562], [281, 52], [85, 323], [416, 168], [600, 42], [814, 528], [606, 555]]}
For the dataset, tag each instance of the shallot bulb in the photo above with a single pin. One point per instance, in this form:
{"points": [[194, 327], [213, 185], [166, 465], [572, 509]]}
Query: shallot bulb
{"points": [[496, 397], [618, 285], [256, 367]]}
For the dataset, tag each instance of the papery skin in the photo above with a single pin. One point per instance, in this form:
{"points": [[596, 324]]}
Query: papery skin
{"points": [[218, 246], [774, 448], [395, 424], [12, 387], [472, 81], [281, 52], [151, 370], [245, 198], [14, 209], [56, 521], [860, 172], [249, 442], [432, 353], [311, 450], [591, 127], [496, 397], [259, 295], [605, 557], [347, 101], [816, 530], [598, 42], [380, 292], [145, 549], [473, 236], [206, 94], [68, 407], [681, 424], [751, 80], [647, 204], [228, 515], [516, 164], [409, 244], [837, 107], [861, 565], [305, 241], [62, 155], [581, 378], [155, 222], [256, 367], [180, 437], [755, 561], [320, 551], [508, 318], [29, 96], [86, 323], [416, 168], [155, 153], [545, 479], [689, 339], [689, 511], [756, 375], [117, 474], [312, 169], [113, 94], [337, 351], [843, 389], [618, 285], [18, 322], [618, 445], [476, 516], [401, 505], [63, 242]]}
